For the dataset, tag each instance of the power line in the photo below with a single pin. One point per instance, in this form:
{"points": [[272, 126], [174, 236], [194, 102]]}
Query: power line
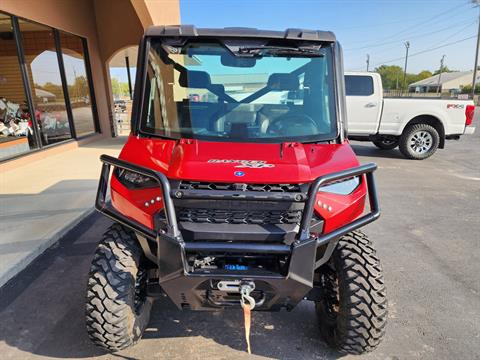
{"points": [[434, 19], [438, 43], [426, 50], [415, 36]]}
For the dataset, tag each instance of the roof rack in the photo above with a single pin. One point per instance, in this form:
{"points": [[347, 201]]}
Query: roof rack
{"points": [[192, 31]]}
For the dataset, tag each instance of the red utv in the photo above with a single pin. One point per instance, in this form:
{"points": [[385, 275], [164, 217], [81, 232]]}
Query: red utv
{"points": [[225, 194]]}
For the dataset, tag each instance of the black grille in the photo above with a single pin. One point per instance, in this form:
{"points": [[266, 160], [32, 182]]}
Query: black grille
{"points": [[197, 185], [220, 216]]}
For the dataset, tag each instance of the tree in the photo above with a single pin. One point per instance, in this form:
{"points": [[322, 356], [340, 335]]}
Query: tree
{"points": [[78, 91], [412, 78], [444, 70], [467, 89], [119, 88], [392, 76], [52, 88], [424, 74]]}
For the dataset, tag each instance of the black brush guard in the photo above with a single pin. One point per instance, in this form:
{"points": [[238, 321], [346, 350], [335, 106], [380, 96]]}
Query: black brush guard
{"points": [[196, 290]]}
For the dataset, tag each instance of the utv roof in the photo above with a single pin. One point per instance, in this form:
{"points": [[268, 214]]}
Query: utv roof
{"points": [[192, 31]]}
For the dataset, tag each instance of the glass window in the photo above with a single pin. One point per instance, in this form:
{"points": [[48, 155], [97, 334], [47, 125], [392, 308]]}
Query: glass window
{"points": [[77, 81], [357, 85], [246, 92], [16, 131], [45, 81]]}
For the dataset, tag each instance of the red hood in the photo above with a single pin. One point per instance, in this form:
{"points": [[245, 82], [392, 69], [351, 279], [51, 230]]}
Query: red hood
{"points": [[239, 162]]}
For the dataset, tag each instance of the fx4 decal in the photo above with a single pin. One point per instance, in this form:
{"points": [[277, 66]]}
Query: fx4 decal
{"points": [[455, 106], [253, 164]]}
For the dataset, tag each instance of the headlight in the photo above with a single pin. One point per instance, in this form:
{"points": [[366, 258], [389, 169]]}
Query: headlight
{"points": [[343, 187], [134, 180]]}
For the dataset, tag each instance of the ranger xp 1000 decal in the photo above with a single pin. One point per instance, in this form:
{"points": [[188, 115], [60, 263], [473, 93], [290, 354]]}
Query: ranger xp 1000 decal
{"points": [[255, 164]]}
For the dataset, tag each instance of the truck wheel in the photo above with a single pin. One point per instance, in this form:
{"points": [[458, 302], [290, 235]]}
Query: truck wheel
{"points": [[352, 312], [419, 141], [117, 307], [385, 143]]}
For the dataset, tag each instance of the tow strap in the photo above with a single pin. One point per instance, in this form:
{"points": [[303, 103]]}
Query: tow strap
{"points": [[248, 303], [247, 315]]}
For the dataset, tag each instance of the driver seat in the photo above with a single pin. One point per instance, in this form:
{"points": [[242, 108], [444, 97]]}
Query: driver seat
{"points": [[267, 114]]}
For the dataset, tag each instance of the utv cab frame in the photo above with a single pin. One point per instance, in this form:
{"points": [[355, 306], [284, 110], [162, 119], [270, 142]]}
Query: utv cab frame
{"points": [[205, 264]]}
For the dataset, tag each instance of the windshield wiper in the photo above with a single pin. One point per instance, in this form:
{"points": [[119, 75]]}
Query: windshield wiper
{"points": [[257, 50], [316, 142]]}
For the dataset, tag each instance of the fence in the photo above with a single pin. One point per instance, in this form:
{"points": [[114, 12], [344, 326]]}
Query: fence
{"points": [[430, 95]]}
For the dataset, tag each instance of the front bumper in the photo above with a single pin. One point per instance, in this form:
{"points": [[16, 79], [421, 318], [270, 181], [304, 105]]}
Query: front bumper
{"points": [[194, 289]]}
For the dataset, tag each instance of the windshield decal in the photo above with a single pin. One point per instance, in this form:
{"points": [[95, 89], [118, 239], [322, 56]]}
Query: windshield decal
{"points": [[252, 164]]}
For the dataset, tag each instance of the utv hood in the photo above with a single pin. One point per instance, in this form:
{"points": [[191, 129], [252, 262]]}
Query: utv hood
{"points": [[289, 162]]}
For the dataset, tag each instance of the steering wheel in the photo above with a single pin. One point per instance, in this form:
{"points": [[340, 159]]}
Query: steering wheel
{"points": [[294, 124]]}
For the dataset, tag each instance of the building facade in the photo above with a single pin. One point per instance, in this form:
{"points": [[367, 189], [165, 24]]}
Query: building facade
{"points": [[447, 82], [55, 90]]}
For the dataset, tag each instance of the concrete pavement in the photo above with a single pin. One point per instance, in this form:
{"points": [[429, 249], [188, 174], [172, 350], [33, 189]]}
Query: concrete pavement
{"points": [[427, 239], [40, 201]]}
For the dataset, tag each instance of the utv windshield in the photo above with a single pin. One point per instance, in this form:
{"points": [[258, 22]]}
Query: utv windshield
{"points": [[239, 90]]}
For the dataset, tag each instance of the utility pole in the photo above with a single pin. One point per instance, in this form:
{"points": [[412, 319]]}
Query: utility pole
{"points": [[368, 61], [407, 46], [474, 80], [440, 74]]}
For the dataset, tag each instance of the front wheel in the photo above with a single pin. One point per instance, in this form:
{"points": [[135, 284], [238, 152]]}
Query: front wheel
{"points": [[117, 308], [419, 141], [352, 312]]}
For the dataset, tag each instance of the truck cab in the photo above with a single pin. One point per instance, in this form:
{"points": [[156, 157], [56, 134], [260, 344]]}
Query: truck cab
{"points": [[389, 122]]}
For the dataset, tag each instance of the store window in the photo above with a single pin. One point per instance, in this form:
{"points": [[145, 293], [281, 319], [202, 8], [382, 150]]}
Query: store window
{"points": [[45, 81], [16, 128], [45, 87], [77, 81]]}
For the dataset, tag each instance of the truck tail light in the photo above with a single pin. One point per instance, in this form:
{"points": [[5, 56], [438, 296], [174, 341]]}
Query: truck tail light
{"points": [[469, 113]]}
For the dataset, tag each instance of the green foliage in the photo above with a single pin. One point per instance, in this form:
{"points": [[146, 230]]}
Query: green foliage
{"points": [[467, 89], [79, 90], [119, 88], [393, 75], [444, 70], [52, 88]]}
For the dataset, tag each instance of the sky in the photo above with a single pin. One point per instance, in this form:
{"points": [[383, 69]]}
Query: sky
{"points": [[378, 28], [375, 27]]}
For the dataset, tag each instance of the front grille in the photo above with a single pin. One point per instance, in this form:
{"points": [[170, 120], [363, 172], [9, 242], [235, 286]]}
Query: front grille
{"points": [[222, 216], [198, 185]]}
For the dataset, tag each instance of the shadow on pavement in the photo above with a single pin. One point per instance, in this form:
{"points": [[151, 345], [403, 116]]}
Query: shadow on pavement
{"points": [[374, 152], [42, 312], [108, 144]]}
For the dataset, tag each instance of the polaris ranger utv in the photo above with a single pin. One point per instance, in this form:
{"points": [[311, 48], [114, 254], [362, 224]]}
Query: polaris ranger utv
{"points": [[228, 193]]}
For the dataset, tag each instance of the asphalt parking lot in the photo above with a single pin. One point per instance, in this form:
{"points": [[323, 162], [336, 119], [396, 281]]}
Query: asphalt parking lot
{"points": [[428, 238]]}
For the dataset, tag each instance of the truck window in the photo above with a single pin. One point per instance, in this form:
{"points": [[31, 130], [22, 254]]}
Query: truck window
{"points": [[358, 85]]}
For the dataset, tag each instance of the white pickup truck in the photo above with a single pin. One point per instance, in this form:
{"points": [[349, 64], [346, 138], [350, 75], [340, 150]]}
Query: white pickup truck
{"points": [[418, 126]]}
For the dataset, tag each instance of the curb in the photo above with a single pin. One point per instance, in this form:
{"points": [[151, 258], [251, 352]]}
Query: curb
{"points": [[46, 243]]}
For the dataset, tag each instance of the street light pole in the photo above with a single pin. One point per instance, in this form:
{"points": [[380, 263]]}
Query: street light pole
{"points": [[407, 46], [474, 80], [440, 74], [368, 61]]}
